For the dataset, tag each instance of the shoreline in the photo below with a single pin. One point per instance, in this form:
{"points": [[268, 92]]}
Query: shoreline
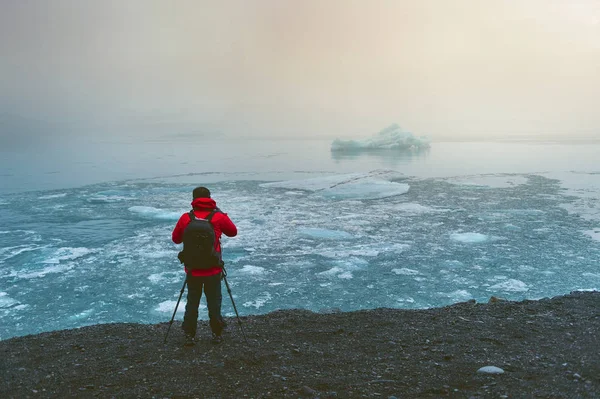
{"points": [[545, 348]]}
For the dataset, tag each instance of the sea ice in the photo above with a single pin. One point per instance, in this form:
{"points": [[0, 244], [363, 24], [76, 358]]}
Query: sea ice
{"points": [[324, 234], [155, 213], [406, 272], [510, 285], [363, 186], [258, 302], [51, 196], [469, 238], [249, 269], [490, 181], [459, 296], [594, 234], [6, 301]]}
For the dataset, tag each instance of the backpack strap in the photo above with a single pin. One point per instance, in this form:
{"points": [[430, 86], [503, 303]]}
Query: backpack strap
{"points": [[209, 217]]}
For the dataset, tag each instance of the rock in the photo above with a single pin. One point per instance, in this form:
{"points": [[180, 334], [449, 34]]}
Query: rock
{"points": [[306, 390], [495, 299], [490, 370]]}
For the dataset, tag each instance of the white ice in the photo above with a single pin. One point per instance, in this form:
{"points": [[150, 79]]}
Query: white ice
{"points": [[253, 270], [510, 285], [82, 315], [164, 277], [51, 196], [585, 187], [324, 234], [67, 253], [258, 302], [594, 234], [372, 185], [490, 181], [6, 301], [390, 138], [460, 296], [60, 268], [406, 272], [155, 213], [469, 238]]}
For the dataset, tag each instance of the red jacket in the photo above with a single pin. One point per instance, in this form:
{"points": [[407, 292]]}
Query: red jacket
{"points": [[220, 222]]}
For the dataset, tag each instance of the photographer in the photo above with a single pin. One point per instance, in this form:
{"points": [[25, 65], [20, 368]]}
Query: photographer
{"points": [[203, 269]]}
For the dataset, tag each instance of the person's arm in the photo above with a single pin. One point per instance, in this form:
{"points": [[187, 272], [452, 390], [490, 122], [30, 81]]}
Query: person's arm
{"points": [[177, 235], [227, 226]]}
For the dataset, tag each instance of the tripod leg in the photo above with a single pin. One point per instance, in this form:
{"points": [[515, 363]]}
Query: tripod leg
{"points": [[175, 311], [235, 308]]}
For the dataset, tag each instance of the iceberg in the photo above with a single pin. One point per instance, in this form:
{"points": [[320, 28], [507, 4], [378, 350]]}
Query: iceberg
{"points": [[390, 138]]}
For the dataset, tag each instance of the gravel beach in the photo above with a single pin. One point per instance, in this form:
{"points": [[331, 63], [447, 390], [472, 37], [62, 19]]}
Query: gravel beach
{"points": [[549, 348]]}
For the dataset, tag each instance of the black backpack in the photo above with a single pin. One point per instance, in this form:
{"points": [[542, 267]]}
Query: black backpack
{"points": [[199, 243]]}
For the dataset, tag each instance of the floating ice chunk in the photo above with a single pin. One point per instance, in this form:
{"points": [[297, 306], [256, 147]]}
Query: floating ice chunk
{"points": [[67, 253], [390, 138], [469, 238], [249, 269], [155, 213], [10, 252], [6, 301], [491, 181], [82, 315], [454, 263], [259, 302], [460, 296], [169, 307], [511, 285], [366, 189], [585, 186], [415, 208], [406, 272], [594, 234], [324, 234], [331, 272], [346, 275], [593, 275], [373, 185], [51, 196], [42, 273], [164, 277]]}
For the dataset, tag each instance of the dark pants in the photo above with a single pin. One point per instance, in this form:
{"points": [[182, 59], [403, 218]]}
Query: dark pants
{"points": [[212, 290]]}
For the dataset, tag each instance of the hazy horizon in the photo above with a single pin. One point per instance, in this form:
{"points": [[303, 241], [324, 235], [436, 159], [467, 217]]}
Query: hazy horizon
{"points": [[464, 69]]}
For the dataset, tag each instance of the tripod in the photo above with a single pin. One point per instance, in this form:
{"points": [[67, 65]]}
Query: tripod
{"points": [[224, 278], [175, 311]]}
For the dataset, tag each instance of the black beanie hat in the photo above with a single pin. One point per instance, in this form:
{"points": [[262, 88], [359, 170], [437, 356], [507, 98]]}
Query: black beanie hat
{"points": [[201, 192]]}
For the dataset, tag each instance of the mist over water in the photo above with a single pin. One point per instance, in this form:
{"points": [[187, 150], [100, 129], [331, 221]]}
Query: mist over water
{"points": [[87, 240]]}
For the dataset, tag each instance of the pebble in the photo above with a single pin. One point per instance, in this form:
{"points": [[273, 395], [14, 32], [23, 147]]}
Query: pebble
{"points": [[306, 390], [490, 370]]}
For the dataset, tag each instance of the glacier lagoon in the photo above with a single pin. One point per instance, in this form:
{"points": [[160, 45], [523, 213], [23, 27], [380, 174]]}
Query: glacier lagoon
{"points": [[85, 229]]}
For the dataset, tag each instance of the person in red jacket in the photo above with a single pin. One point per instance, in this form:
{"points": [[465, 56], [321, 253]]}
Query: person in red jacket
{"points": [[208, 278]]}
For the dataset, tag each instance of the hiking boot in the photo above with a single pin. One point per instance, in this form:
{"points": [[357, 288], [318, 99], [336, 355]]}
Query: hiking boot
{"points": [[189, 340], [216, 339]]}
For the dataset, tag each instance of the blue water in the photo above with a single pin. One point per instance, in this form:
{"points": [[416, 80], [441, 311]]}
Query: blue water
{"points": [[85, 226]]}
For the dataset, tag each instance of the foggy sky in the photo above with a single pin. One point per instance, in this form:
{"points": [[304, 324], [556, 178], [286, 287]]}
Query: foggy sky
{"points": [[336, 68]]}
